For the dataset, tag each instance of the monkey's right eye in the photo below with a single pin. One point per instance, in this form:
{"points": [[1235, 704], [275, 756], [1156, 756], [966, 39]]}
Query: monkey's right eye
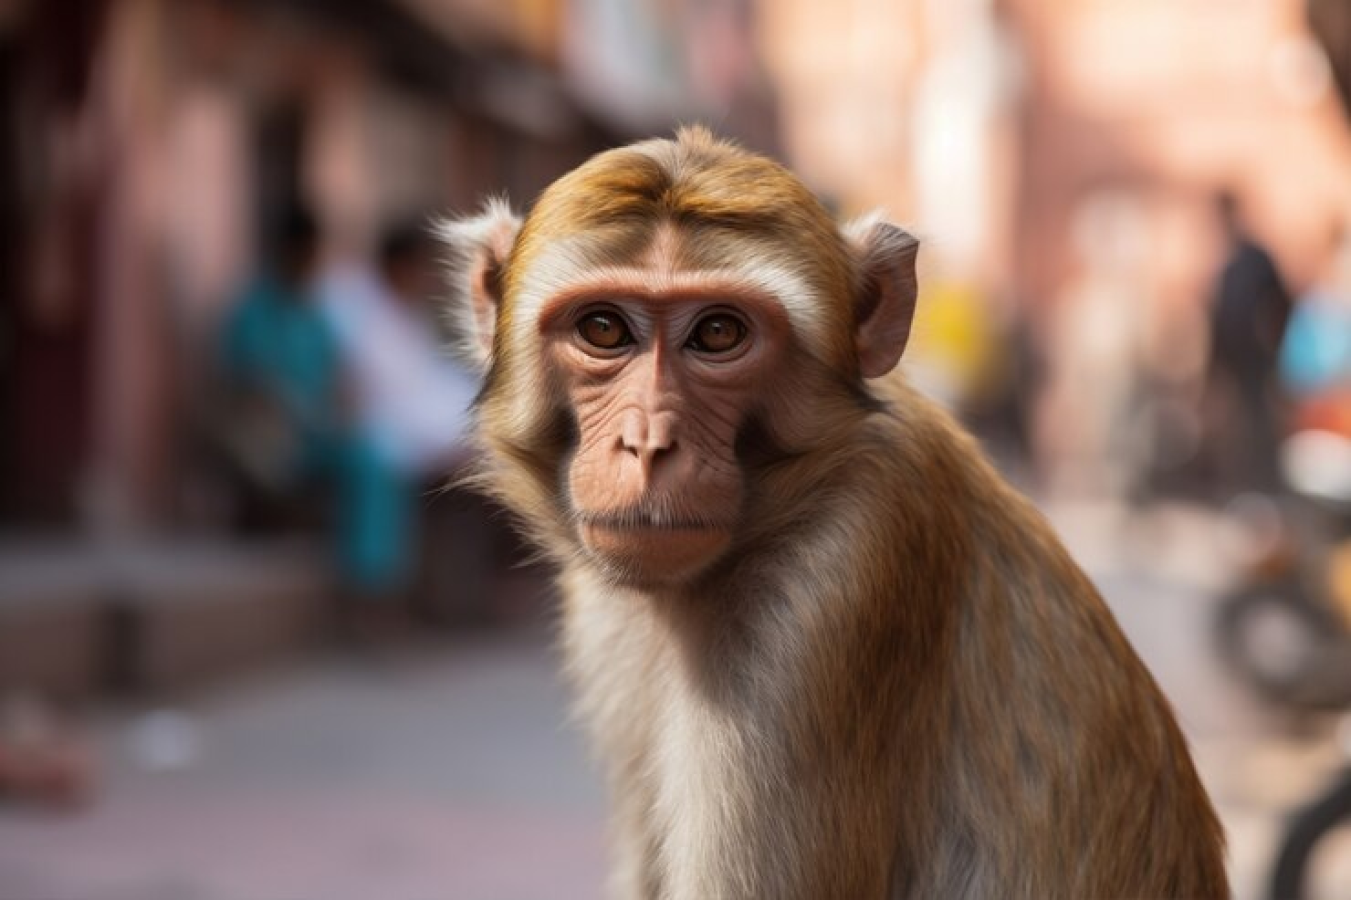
{"points": [[604, 330]]}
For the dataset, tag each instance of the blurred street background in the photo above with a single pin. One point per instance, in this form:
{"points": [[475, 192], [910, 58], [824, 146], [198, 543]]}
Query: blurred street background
{"points": [[252, 647]]}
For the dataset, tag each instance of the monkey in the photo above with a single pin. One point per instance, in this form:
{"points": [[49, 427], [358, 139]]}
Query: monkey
{"points": [[821, 648]]}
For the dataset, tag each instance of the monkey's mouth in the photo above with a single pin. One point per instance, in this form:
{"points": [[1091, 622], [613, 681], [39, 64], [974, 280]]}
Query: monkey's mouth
{"points": [[647, 520], [651, 546]]}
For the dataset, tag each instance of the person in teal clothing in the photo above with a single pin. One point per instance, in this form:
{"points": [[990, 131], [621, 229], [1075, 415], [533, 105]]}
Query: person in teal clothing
{"points": [[283, 361]]}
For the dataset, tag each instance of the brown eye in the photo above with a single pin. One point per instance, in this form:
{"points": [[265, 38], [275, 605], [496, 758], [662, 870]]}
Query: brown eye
{"points": [[718, 333], [605, 330]]}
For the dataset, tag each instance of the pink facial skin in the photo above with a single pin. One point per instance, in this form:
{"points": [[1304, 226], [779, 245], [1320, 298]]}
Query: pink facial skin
{"points": [[661, 382]]}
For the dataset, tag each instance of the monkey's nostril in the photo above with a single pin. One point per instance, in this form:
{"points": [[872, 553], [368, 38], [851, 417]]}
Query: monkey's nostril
{"points": [[661, 434], [633, 436]]}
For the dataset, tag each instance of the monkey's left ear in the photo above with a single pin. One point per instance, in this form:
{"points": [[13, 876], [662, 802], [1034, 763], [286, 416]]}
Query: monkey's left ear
{"points": [[479, 247], [884, 302]]}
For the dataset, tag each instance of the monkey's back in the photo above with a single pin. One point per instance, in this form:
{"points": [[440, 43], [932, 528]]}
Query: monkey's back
{"points": [[1064, 773]]}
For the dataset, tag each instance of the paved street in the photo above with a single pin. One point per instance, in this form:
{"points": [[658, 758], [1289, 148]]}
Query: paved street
{"points": [[449, 771]]}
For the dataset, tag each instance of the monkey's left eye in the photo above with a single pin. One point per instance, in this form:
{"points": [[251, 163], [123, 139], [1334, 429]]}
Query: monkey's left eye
{"points": [[604, 330], [718, 333]]}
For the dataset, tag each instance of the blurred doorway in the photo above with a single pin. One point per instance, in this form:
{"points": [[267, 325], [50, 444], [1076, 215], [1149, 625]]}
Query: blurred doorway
{"points": [[49, 215]]}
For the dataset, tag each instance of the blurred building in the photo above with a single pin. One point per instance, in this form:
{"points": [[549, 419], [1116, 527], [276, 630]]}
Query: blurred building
{"points": [[1061, 159], [149, 148], [942, 110], [1041, 147], [646, 64], [150, 151]]}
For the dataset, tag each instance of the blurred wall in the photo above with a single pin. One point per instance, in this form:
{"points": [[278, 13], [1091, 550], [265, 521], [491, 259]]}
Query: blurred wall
{"points": [[1042, 148], [1060, 161], [990, 122], [156, 146], [51, 195]]}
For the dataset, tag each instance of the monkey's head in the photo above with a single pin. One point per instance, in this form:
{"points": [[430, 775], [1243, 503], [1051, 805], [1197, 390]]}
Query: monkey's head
{"points": [[672, 341]]}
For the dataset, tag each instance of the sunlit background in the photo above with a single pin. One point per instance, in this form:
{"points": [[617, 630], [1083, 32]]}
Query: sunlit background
{"points": [[251, 649]]}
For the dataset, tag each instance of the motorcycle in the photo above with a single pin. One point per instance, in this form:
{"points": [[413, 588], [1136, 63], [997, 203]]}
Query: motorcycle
{"points": [[1287, 629]]}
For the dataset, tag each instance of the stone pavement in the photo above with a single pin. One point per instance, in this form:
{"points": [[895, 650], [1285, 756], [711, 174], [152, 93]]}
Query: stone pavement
{"points": [[449, 770]]}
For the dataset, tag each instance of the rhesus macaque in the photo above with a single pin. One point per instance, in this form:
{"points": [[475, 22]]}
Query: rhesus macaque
{"points": [[823, 649]]}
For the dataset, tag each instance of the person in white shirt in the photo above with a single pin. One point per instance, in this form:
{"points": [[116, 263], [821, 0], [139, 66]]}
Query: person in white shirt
{"points": [[410, 395], [410, 400]]}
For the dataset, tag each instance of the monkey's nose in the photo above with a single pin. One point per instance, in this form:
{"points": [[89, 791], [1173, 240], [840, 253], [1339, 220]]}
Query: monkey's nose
{"points": [[648, 436]]}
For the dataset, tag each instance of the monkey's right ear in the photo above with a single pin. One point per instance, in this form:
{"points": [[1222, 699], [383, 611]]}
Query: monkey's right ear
{"points": [[478, 247]]}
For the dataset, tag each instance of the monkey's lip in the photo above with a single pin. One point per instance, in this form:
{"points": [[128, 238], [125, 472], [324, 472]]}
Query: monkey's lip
{"points": [[638, 520], [652, 547]]}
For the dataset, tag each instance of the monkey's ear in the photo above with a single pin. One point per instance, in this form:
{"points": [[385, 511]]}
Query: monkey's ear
{"points": [[478, 249], [884, 302]]}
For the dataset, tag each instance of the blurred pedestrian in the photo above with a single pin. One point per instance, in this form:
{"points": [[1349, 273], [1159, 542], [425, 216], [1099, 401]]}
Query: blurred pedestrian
{"points": [[1249, 309], [280, 363], [410, 401], [292, 419]]}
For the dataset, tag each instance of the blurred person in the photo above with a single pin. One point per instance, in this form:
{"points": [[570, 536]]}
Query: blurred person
{"points": [[292, 422], [280, 360], [1315, 355], [411, 398], [1249, 309]]}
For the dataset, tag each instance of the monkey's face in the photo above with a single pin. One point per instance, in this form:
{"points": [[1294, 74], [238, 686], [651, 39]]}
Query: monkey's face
{"points": [[670, 322], [661, 385]]}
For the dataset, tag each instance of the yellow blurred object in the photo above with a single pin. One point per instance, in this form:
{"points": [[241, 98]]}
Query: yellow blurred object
{"points": [[957, 348], [1339, 580]]}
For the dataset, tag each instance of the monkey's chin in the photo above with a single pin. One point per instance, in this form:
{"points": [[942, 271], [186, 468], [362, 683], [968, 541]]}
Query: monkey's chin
{"points": [[654, 556]]}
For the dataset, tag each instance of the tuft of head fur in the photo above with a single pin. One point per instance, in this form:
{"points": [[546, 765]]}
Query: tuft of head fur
{"points": [[736, 212]]}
